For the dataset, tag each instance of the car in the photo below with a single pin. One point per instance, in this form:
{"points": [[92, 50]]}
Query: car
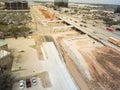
{"points": [[28, 83], [110, 29], [34, 81], [117, 29], [21, 84]]}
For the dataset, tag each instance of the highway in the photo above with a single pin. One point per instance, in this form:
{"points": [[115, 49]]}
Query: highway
{"points": [[101, 35]]}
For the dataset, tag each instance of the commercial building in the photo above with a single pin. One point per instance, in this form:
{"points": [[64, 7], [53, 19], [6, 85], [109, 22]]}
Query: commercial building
{"points": [[16, 5], [117, 9], [61, 3]]}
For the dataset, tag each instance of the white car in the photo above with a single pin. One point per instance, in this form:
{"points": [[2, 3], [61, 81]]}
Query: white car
{"points": [[34, 81], [21, 84]]}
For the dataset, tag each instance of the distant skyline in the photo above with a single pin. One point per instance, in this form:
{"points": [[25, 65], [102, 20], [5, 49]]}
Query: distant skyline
{"points": [[117, 2]]}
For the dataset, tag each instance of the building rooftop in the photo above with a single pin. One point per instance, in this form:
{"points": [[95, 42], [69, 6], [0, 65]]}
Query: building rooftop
{"points": [[2, 43], [3, 53]]}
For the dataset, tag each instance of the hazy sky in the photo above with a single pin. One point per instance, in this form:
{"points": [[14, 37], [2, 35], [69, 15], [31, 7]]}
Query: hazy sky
{"points": [[93, 1], [99, 1]]}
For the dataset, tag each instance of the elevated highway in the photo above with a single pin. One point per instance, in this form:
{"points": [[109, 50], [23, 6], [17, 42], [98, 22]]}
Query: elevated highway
{"points": [[96, 33], [99, 34]]}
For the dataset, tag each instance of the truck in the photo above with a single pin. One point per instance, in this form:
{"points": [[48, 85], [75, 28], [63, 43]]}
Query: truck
{"points": [[114, 41]]}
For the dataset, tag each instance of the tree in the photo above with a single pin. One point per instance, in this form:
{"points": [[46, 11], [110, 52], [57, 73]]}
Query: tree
{"points": [[24, 29], [6, 80], [110, 22]]}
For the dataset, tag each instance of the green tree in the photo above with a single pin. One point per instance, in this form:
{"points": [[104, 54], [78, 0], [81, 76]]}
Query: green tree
{"points": [[6, 81], [110, 22], [24, 29]]}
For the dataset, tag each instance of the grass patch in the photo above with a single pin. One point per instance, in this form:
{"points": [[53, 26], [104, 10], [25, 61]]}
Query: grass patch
{"points": [[33, 46]]}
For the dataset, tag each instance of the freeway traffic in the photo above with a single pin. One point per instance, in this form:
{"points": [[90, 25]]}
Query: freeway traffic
{"points": [[97, 33]]}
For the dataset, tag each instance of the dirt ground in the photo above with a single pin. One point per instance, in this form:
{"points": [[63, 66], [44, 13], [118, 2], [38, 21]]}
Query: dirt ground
{"points": [[38, 42], [75, 73], [104, 64], [78, 78], [108, 59], [45, 79], [26, 61]]}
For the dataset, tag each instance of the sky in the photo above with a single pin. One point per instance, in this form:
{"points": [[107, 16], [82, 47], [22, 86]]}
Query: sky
{"points": [[99, 1], [117, 2]]}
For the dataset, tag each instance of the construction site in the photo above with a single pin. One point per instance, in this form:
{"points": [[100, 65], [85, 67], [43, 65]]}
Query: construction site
{"points": [[92, 64], [65, 54]]}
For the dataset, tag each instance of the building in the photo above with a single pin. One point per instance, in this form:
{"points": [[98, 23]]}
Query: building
{"points": [[6, 60], [117, 10], [3, 45], [16, 5], [61, 3]]}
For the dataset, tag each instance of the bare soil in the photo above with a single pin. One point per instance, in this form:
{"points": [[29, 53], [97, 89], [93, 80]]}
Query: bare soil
{"points": [[109, 59], [77, 76], [104, 66], [45, 79], [75, 73], [38, 42]]}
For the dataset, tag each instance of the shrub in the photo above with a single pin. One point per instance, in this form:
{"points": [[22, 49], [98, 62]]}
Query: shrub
{"points": [[6, 80]]}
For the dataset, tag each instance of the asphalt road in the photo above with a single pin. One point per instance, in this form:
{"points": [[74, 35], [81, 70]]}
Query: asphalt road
{"points": [[97, 33]]}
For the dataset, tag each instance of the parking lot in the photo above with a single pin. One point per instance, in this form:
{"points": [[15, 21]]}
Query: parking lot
{"points": [[36, 87], [51, 73], [26, 63]]}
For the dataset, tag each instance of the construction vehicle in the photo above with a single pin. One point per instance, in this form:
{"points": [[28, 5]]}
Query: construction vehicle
{"points": [[114, 41], [47, 14]]}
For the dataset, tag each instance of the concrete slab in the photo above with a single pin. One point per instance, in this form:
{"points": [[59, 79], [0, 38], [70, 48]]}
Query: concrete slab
{"points": [[60, 77]]}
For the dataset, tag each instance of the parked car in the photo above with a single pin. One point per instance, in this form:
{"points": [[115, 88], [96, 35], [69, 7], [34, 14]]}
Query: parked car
{"points": [[28, 83], [117, 29], [34, 81], [21, 84]]}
